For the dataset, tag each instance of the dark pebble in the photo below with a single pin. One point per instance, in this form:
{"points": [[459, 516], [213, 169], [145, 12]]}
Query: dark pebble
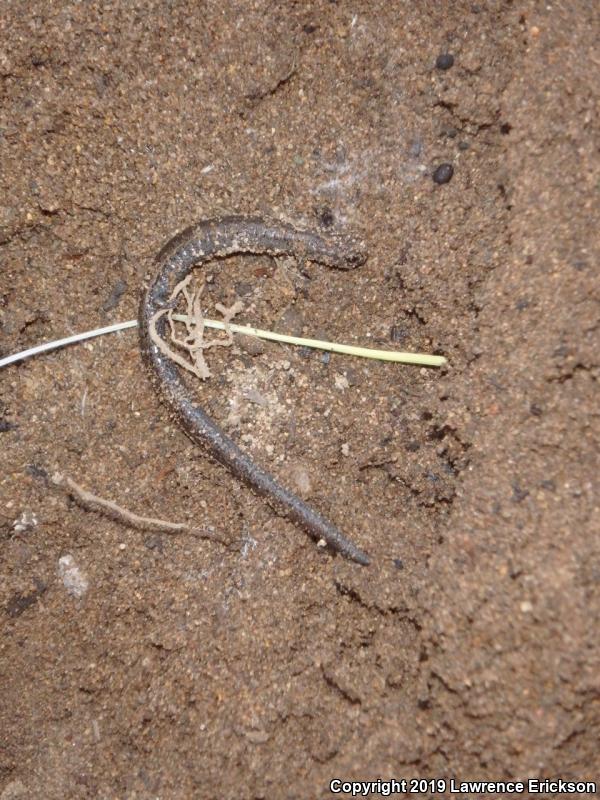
{"points": [[443, 173], [412, 447], [536, 410], [6, 426], [444, 61], [398, 563], [463, 145], [326, 358]]}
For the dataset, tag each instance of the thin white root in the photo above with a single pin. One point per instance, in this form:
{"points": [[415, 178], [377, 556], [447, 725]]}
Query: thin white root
{"points": [[166, 350], [228, 314], [194, 342], [91, 502]]}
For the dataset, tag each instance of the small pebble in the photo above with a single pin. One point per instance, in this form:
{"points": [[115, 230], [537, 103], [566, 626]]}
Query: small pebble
{"points": [[341, 382], [26, 522], [251, 345], [443, 174], [444, 61]]}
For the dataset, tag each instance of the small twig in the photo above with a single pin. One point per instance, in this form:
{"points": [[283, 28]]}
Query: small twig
{"points": [[91, 502]]}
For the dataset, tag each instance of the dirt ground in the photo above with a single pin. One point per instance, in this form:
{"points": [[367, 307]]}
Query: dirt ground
{"points": [[144, 665]]}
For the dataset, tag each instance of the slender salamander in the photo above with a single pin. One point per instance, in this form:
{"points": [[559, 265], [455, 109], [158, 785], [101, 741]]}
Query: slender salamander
{"points": [[206, 241]]}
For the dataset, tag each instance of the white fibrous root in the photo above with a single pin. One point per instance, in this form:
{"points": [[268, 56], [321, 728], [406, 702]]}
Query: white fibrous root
{"points": [[192, 342]]}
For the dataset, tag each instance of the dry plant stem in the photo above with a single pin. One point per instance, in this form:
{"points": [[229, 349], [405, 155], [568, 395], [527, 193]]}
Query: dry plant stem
{"points": [[91, 502], [420, 359]]}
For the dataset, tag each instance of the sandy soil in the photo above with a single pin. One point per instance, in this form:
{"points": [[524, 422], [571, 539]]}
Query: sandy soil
{"points": [[143, 665]]}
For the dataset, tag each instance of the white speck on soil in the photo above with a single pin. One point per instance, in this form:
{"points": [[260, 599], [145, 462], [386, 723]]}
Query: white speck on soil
{"points": [[248, 545], [73, 578], [26, 522], [341, 382]]}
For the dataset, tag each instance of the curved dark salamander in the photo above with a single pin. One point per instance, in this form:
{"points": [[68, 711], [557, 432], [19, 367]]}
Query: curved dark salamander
{"points": [[204, 242]]}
